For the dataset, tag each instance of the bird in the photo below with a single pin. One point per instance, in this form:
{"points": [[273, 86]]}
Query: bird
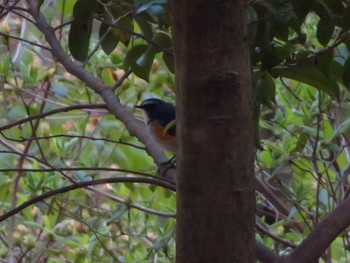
{"points": [[159, 117]]}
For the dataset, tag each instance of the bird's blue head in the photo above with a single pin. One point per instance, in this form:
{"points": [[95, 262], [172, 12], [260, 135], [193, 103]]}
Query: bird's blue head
{"points": [[156, 109]]}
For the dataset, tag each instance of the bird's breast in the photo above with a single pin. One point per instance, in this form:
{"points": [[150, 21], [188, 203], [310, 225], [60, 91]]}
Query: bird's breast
{"points": [[167, 141]]}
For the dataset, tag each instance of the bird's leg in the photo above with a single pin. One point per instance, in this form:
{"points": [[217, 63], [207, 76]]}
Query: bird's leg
{"points": [[168, 164], [172, 160]]}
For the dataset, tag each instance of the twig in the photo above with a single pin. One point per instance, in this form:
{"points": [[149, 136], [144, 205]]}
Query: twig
{"points": [[274, 237], [24, 40], [69, 169], [121, 80]]}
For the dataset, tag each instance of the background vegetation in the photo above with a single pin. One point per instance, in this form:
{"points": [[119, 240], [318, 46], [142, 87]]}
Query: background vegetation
{"points": [[56, 131]]}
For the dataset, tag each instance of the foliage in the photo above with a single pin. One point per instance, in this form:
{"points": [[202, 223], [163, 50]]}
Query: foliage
{"points": [[304, 158], [300, 64], [121, 222]]}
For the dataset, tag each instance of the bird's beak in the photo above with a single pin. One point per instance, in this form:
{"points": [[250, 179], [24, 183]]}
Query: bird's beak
{"points": [[139, 107]]}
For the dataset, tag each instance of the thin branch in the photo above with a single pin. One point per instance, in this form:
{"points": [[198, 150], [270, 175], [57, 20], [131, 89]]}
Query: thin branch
{"points": [[103, 37], [24, 40], [8, 8], [321, 237], [280, 240], [44, 114], [314, 156], [121, 80], [40, 162], [264, 254], [290, 90], [23, 139], [132, 205], [78, 185], [95, 232], [63, 24], [69, 169], [148, 40], [103, 193]]}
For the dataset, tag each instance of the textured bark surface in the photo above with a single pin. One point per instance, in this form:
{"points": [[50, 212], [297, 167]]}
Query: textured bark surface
{"points": [[215, 220]]}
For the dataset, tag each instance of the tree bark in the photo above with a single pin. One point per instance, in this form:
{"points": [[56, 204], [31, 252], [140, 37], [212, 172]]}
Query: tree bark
{"points": [[215, 190]]}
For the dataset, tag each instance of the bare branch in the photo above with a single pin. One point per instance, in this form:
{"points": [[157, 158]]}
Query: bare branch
{"points": [[24, 40], [264, 254], [266, 232], [121, 80], [54, 169], [312, 248], [44, 114], [23, 139], [78, 185]]}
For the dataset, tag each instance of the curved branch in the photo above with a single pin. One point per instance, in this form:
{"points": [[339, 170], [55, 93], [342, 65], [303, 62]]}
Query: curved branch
{"points": [[280, 240], [133, 205], [23, 139], [66, 169], [312, 248], [51, 112], [101, 192], [78, 185], [24, 40], [265, 254]]}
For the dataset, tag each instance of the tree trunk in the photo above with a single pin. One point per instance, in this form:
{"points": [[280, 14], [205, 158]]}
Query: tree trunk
{"points": [[215, 210]]}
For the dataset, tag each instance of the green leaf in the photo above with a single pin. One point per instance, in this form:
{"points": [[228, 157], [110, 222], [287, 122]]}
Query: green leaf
{"points": [[25, 71], [31, 182], [142, 68], [287, 143], [169, 126], [302, 140], [81, 27], [311, 131], [129, 258], [144, 25], [118, 214], [323, 197], [139, 60], [310, 75], [341, 129], [161, 244], [142, 6], [159, 14], [110, 41], [124, 24], [161, 39], [82, 176], [16, 112], [5, 63], [324, 33], [133, 55], [327, 129], [79, 39]]}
